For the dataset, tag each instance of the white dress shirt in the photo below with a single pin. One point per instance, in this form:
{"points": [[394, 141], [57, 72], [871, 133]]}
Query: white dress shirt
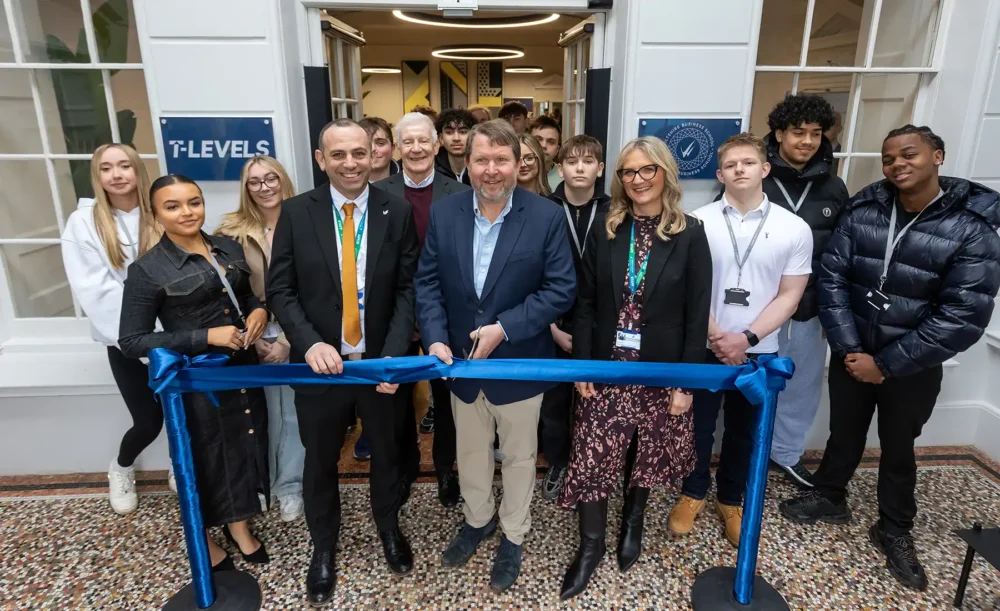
{"points": [[418, 185], [361, 207]]}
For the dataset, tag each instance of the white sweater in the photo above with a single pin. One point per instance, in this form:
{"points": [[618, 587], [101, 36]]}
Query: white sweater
{"points": [[98, 287]]}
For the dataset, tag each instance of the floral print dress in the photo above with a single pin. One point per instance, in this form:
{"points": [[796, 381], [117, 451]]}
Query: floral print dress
{"points": [[606, 423]]}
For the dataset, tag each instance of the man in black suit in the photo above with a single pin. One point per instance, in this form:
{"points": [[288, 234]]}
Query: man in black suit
{"points": [[341, 285], [421, 184]]}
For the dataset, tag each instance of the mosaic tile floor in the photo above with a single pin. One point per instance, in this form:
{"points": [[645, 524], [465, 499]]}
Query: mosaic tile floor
{"points": [[62, 548]]}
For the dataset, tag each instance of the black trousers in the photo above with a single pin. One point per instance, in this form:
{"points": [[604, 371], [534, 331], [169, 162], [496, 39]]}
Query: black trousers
{"points": [[444, 427], [554, 422], [737, 443], [904, 406], [132, 378], [323, 421]]}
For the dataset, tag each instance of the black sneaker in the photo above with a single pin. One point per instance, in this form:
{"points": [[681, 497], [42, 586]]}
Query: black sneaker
{"points": [[900, 557], [813, 507], [798, 475], [427, 423], [553, 482]]}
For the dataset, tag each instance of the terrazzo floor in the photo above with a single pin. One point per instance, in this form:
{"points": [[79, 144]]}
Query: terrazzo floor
{"points": [[62, 548]]}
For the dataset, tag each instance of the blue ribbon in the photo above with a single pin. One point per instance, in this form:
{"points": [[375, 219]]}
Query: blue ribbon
{"points": [[171, 374]]}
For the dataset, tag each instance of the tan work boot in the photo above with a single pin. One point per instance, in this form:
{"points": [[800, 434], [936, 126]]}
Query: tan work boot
{"points": [[732, 518], [683, 514]]}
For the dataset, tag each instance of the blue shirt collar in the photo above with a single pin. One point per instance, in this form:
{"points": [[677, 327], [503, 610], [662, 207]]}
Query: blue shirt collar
{"points": [[503, 213]]}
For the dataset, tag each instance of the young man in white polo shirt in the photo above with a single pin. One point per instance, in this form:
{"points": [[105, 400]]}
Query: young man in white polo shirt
{"points": [[761, 261]]}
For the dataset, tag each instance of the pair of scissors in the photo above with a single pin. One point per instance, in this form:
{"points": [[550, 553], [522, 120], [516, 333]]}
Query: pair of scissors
{"points": [[475, 344]]}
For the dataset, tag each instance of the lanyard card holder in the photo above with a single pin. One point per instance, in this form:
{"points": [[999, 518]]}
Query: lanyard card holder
{"points": [[738, 297]]}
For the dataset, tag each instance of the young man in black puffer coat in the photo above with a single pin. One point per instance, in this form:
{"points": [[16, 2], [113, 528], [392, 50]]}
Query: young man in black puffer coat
{"points": [[908, 281], [801, 181]]}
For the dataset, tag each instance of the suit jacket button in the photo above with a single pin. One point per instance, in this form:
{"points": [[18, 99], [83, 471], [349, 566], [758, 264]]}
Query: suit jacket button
{"points": [[479, 311]]}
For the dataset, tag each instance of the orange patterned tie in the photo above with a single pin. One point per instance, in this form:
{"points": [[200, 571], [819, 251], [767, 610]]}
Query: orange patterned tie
{"points": [[349, 277]]}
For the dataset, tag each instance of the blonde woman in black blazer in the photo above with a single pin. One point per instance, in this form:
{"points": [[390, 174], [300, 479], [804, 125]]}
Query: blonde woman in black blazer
{"points": [[643, 295]]}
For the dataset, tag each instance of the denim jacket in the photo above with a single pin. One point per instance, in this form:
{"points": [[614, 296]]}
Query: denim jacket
{"points": [[186, 294]]}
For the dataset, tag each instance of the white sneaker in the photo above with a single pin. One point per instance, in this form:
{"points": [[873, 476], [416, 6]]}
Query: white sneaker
{"points": [[291, 507], [121, 489], [171, 481]]}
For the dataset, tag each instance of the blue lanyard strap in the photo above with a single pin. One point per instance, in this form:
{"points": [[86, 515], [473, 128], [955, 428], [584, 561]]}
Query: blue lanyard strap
{"points": [[358, 234], [634, 279]]}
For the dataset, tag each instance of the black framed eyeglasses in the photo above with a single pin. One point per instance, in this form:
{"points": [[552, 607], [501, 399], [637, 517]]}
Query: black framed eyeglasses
{"points": [[647, 172], [530, 159], [270, 180]]}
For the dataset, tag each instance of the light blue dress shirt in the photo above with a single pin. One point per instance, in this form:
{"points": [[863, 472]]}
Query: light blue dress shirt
{"points": [[484, 241]]}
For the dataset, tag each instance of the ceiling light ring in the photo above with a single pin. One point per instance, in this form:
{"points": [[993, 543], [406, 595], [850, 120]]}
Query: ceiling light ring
{"points": [[380, 70], [475, 23], [477, 52]]}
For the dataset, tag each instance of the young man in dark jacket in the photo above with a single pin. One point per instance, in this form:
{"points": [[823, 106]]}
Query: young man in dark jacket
{"points": [[453, 126], [908, 281], [800, 181], [579, 165]]}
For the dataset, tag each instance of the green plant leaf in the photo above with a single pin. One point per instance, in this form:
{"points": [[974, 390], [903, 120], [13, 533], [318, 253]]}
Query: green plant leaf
{"points": [[111, 31], [126, 126], [57, 50]]}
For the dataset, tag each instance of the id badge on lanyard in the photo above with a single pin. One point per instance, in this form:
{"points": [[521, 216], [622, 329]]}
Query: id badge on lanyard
{"points": [[631, 338], [737, 296]]}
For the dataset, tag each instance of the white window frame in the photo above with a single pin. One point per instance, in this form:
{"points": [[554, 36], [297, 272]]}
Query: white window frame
{"points": [[577, 44], [927, 76], [35, 330], [342, 47]]}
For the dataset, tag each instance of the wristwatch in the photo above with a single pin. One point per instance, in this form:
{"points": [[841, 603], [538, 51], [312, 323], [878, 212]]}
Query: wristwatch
{"points": [[751, 337]]}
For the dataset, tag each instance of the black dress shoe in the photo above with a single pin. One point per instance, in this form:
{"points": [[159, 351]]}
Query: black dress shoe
{"points": [[321, 579], [449, 492], [258, 557], [225, 565], [396, 548]]}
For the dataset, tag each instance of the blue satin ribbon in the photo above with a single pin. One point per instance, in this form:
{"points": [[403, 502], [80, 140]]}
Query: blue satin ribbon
{"points": [[171, 374]]}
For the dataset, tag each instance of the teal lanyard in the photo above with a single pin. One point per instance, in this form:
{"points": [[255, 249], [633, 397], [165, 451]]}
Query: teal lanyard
{"points": [[358, 234], [634, 280]]}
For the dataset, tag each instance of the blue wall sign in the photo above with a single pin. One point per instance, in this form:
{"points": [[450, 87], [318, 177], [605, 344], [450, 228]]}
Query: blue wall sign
{"points": [[214, 148], [694, 142]]}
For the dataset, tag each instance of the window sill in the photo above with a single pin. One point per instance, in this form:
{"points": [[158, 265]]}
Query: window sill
{"points": [[993, 338]]}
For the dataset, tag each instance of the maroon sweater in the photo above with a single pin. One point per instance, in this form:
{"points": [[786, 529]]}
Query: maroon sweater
{"points": [[420, 199]]}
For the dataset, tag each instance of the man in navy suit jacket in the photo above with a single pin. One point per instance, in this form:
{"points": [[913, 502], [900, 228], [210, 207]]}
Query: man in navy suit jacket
{"points": [[496, 268]]}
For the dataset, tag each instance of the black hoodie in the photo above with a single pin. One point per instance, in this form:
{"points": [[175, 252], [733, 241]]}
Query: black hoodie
{"points": [[820, 209], [443, 165], [581, 216]]}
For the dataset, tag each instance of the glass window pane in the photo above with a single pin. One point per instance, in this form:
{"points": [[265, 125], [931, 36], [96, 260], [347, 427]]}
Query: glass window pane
{"points": [[135, 123], [781, 25], [769, 88], [152, 168], [115, 32], [19, 132], [37, 280], [836, 30], [886, 103], [73, 182], [76, 111], [51, 31], [6, 44], [863, 172], [906, 33], [26, 209]]}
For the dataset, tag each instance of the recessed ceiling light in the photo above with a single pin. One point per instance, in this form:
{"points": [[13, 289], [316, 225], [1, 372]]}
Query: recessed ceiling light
{"points": [[478, 52], [380, 70], [524, 70], [523, 21]]}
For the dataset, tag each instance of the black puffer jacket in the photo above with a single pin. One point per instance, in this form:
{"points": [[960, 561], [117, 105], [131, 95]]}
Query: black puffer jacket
{"points": [[820, 209], [944, 276]]}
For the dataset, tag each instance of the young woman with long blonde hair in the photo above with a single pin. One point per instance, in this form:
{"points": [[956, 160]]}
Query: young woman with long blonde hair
{"points": [[102, 237], [531, 173], [264, 185], [644, 294]]}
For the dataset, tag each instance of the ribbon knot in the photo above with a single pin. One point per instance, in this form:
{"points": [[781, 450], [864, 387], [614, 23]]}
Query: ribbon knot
{"points": [[164, 365], [767, 372]]}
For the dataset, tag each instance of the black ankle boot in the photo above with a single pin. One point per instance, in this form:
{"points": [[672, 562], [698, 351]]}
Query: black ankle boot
{"points": [[630, 537], [593, 525]]}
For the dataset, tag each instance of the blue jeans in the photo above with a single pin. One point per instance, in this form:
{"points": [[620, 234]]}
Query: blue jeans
{"points": [[737, 442], [805, 344], [286, 456]]}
